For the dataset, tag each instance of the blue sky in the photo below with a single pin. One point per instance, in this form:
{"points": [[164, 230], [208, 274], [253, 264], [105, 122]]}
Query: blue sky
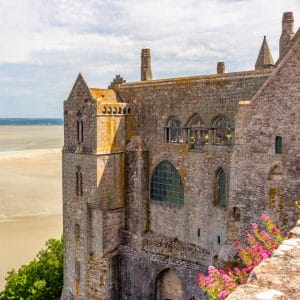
{"points": [[45, 44]]}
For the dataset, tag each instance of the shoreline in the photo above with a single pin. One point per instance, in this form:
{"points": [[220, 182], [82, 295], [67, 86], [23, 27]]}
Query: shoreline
{"points": [[20, 218], [7, 153]]}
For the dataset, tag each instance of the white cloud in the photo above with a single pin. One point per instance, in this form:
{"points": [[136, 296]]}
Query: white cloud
{"points": [[48, 42]]}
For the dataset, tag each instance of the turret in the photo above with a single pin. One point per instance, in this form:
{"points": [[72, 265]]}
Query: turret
{"points": [[146, 73], [287, 32], [264, 59]]}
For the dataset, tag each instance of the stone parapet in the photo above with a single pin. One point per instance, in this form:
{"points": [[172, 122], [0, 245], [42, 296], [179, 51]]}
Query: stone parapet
{"points": [[277, 277]]}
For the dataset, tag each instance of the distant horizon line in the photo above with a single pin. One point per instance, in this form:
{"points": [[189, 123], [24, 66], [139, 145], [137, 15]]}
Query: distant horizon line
{"points": [[38, 118], [30, 121]]}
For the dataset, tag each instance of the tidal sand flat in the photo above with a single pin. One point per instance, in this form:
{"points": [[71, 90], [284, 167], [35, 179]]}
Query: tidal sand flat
{"points": [[30, 192]]}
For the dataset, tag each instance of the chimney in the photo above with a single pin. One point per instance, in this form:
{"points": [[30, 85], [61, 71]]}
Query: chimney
{"points": [[287, 32], [220, 67], [146, 73]]}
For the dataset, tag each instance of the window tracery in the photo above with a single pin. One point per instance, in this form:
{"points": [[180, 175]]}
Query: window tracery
{"points": [[166, 185], [198, 134], [174, 131]]}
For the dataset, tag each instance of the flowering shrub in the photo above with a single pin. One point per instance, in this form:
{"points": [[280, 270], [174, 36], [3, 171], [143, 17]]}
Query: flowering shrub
{"points": [[220, 283]]}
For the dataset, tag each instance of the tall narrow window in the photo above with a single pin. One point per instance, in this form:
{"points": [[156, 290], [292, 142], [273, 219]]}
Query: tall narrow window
{"points": [[79, 187], [197, 133], [77, 270], [81, 131], [278, 145], [174, 131], [78, 130], [166, 185], [79, 127], [77, 231], [221, 188]]}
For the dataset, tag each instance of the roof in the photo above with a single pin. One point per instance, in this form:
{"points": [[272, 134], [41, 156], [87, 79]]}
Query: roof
{"points": [[105, 95], [210, 77], [265, 59]]}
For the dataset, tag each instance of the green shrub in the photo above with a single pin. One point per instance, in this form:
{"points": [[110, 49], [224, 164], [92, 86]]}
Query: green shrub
{"points": [[41, 279]]}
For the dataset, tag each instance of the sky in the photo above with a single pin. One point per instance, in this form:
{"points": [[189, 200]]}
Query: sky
{"points": [[46, 43]]}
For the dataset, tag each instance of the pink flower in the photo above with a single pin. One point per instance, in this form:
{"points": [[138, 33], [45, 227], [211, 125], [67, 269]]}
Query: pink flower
{"points": [[265, 218], [223, 294], [237, 244]]}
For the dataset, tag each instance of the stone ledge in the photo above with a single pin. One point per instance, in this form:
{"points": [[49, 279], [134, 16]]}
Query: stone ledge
{"points": [[276, 278]]}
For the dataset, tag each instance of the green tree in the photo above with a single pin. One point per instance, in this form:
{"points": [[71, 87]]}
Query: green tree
{"points": [[41, 279]]}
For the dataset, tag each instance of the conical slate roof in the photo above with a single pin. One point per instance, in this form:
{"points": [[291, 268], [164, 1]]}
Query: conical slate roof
{"points": [[265, 59]]}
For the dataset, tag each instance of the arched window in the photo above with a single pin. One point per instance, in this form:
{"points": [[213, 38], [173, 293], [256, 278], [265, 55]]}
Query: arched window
{"points": [[79, 187], [278, 145], [222, 131], [220, 188], [197, 133], [174, 131], [166, 185]]}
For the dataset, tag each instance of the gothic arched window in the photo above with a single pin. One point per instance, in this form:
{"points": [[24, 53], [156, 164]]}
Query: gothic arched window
{"points": [[222, 131], [221, 188], [166, 185], [278, 145], [197, 133], [174, 131]]}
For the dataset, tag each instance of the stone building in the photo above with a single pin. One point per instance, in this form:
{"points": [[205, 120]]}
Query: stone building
{"points": [[161, 176]]}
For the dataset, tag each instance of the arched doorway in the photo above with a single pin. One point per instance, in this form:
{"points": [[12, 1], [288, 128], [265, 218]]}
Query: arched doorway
{"points": [[168, 286]]}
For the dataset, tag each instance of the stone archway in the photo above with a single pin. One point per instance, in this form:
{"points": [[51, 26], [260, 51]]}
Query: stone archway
{"points": [[168, 286]]}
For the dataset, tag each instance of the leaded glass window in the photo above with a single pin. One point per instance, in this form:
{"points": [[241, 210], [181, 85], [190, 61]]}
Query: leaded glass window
{"points": [[166, 185], [278, 145], [221, 188]]}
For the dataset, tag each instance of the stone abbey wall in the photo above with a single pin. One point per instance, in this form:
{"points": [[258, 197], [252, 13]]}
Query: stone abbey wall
{"points": [[272, 178], [120, 243], [153, 104]]}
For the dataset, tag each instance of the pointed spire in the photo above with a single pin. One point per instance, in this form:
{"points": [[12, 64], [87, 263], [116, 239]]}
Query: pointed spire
{"points": [[265, 59]]}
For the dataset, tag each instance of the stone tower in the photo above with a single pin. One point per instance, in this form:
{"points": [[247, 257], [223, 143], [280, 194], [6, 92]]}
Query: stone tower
{"points": [[93, 176], [287, 32], [264, 59], [146, 73]]}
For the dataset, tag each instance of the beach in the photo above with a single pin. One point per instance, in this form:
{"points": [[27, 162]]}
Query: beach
{"points": [[30, 192]]}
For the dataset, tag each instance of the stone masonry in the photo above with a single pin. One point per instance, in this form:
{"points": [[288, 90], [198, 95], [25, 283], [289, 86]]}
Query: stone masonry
{"points": [[160, 177]]}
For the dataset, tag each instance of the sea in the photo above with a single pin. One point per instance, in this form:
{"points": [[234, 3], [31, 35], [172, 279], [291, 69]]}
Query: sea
{"points": [[31, 121]]}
